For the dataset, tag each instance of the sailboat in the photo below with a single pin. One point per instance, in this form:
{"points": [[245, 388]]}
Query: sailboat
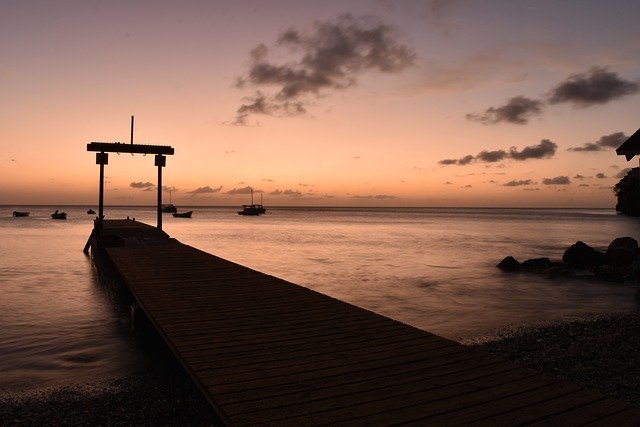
{"points": [[169, 208], [252, 209]]}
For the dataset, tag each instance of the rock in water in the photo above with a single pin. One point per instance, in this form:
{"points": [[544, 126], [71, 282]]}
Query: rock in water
{"points": [[581, 254], [536, 263], [509, 264], [622, 251]]}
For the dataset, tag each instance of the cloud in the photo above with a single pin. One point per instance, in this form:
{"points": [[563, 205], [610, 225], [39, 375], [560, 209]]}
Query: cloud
{"points": [[558, 180], [545, 149], [605, 142], [596, 86], [600, 175], [205, 190], [243, 190], [377, 196], [578, 176], [143, 185], [492, 156], [448, 162], [332, 56], [517, 110], [583, 185], [288, 192], [518, 183]]}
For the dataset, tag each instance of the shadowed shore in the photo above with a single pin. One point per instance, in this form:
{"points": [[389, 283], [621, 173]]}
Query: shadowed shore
{"points": [[598, 352], [154, 396]]}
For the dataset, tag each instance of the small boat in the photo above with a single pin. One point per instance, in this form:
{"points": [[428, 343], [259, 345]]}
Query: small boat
{"points": [[18, 213], [91, 212], [59, 215], [182, 214], [169, 208], [252, 209]]}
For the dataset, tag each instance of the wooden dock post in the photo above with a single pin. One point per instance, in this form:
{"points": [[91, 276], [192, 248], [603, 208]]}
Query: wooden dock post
{"points": [[160, 163]]}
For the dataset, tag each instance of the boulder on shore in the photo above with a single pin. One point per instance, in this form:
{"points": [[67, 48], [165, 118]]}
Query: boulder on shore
{"points": [[582, 255], [509, 264], [622, 251]]}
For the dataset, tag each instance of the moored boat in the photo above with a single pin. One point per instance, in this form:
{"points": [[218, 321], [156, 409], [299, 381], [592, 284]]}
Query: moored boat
{"points": [[252, 209], [91, 212], [169, 207], [20, 213], [59, 215], [182, 214]]}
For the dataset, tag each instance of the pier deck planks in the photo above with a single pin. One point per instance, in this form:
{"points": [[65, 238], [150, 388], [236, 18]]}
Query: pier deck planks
{"points": [[266, 351]]}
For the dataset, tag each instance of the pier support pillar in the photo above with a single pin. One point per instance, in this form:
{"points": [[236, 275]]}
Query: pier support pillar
{"points": [[102, 159], [161, 161]]}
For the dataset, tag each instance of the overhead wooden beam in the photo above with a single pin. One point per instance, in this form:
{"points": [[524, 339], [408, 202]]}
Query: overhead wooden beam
{"points": [[120, 147]]}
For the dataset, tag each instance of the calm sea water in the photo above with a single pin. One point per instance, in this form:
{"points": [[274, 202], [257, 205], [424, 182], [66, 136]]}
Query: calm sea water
{"points": [[433, 268]]}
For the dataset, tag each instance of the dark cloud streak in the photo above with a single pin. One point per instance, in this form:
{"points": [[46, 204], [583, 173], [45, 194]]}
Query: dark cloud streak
{"points": [[558, 180], [205, 190], [517, 183], [545, 149], [333, 55], [604, 143], [143, 185], [517, 110], [596, 86]]}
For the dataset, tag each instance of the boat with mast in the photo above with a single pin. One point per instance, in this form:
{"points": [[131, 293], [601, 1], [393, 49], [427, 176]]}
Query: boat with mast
{"points": [[253, 209], [169, 208]]}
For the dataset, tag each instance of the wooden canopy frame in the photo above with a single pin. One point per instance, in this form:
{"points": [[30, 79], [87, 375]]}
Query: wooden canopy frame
{"points": [[102, 158]]}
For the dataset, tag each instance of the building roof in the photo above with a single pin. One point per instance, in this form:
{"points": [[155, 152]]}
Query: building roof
{"points": [[630, 147]]}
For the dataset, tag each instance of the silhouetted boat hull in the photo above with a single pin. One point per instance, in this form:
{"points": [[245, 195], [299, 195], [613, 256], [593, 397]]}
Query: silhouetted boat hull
{"points": [[182, 214], [59, 215], [91, 212], [18, 213], [169, 208], [250, 210]]}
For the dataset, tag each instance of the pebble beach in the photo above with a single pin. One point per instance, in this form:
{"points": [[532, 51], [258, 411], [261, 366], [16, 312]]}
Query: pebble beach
{"points": [[598, 352]]}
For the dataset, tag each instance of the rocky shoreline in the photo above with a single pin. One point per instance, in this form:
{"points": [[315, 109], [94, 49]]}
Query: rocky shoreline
{"points": [[620, 262], [598, 352]]}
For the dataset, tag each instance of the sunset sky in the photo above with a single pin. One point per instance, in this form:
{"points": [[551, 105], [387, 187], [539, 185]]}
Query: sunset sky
{"points": [[351, 103]]}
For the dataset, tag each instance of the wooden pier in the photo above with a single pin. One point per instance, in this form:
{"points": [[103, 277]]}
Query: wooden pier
{"points": [[268, 352]]}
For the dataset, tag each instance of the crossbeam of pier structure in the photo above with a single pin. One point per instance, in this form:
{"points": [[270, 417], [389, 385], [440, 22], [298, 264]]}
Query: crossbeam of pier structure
{"points": [[121, 147], [103, 149], [268, 352]]}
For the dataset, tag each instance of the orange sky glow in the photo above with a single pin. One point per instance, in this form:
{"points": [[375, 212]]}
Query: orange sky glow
{"points": [[350, 103]]}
